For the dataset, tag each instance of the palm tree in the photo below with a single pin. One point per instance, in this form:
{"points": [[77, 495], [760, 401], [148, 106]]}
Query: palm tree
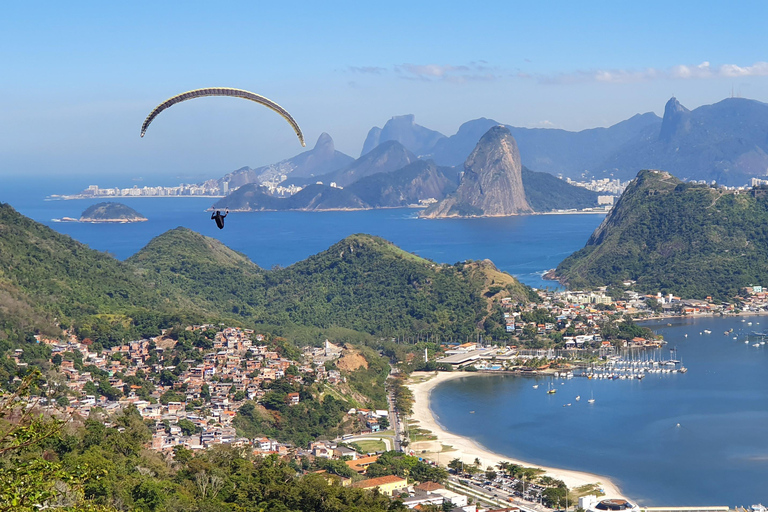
{"points": [[503, 466], [477, 462]]}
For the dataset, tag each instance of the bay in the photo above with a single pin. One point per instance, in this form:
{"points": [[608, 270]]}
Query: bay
{"points": [[524, 246], [718, 455]]}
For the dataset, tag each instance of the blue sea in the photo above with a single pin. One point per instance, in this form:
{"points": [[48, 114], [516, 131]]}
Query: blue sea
{"points": [[668, 440], [523, 246]]}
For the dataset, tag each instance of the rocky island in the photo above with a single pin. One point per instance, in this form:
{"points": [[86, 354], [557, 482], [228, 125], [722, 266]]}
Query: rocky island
{"points": [[108, 212]]}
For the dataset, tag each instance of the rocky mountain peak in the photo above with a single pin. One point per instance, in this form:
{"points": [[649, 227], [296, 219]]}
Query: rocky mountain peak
{"points": [[676, 120], [324, 144], [416, 138], [492, 184]]}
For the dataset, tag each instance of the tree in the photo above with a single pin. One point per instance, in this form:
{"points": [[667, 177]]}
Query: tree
{"points": [[554, 497], [457, 465], [28, 481], [187, 427]]}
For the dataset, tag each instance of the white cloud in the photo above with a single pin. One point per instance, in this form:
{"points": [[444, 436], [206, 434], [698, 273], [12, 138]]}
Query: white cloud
{"points": [[680, 72], [473, 71], [370, 70]]}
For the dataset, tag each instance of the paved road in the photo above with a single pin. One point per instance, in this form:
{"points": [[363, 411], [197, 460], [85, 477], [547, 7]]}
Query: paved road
{"points": [[394, 418], [501, 495]]}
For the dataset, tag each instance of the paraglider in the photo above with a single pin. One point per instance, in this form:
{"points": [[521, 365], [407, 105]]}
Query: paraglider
{"points": [[222, 91], [219, 218]]}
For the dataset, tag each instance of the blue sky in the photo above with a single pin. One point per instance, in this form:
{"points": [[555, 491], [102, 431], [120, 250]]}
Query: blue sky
{"points": [[77, 79]]}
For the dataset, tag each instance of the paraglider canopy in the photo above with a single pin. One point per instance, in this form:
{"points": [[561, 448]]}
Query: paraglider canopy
{"points": [[222, 91]]}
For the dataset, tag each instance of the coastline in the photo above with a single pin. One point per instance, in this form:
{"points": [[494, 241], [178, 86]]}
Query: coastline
{"points": [[468, 450]]}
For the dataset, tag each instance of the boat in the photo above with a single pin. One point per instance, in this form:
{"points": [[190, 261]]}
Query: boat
{"points": [[591, 398], [551, 390], [578, 397], [535, 386]]}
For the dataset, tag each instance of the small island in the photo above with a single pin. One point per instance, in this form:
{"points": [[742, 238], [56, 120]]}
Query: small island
{"points": [[108, 212]]}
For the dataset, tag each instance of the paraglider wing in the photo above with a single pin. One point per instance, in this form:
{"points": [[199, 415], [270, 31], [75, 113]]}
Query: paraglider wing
{"points": [[222, 91]]}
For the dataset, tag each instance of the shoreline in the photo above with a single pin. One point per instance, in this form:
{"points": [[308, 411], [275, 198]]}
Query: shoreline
{"points": [[468, 450]]}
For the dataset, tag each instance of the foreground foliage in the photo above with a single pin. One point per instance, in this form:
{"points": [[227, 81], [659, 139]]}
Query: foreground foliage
{"points": [[46, 463]]}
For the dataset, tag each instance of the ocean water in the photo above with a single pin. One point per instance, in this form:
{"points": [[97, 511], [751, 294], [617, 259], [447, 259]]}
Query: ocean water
{"points": [[718, 455], [523, 246]]}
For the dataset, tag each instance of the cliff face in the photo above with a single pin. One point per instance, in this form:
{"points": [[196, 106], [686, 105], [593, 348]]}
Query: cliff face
{"points": [[492, 184]]}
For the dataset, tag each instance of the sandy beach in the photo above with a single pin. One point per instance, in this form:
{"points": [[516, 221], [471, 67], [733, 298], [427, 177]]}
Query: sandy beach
{"points": [[468, 450]]}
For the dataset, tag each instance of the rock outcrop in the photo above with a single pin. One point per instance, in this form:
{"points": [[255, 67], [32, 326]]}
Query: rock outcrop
{"points": [[492, 185]]}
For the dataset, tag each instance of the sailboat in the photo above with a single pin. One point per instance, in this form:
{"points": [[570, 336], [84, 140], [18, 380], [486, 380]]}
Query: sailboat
{"points": [[591, 397], [551, 390]]}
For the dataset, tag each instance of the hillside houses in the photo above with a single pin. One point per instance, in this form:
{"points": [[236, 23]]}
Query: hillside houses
{"points": [[193, 402]]}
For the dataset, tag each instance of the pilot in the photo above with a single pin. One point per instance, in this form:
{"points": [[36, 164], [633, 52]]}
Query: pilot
{"points": [[219, 218]]}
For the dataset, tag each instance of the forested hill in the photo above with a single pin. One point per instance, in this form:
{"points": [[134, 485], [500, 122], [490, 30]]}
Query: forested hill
{"points": [[682, 238], [47, 278], [362, 283], [545, 193]]}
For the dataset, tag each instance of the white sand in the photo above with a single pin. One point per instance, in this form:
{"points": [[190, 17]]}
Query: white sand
{"points": [[468, 450]]}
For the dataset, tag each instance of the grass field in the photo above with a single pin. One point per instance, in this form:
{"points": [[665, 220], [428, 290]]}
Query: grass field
{"points": [[371, 446]]}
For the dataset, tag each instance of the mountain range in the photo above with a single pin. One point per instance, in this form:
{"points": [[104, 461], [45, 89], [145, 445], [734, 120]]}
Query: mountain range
{"points": [[726, 142], [390, 176], [321, 159]]}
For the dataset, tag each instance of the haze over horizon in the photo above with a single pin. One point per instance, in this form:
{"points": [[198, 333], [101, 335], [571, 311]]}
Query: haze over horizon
{"points": [[80, 79]]}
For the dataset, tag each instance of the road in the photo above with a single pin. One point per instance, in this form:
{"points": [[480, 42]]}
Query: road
{"points": [[394, 419], [496, 496]]}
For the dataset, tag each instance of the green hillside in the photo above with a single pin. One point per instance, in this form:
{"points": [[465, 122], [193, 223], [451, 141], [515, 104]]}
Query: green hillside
{"points": [[669, 236], [49, 278], [362, 283], [545, 192]]}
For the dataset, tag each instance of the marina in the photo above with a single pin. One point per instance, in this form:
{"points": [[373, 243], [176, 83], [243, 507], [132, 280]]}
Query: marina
{"points": [[658, 437]]}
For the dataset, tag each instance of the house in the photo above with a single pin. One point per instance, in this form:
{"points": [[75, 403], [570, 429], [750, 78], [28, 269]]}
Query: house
{"points": [[387, 485], [343, 451], [361, 465], [321, 450], [292, 398]]}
